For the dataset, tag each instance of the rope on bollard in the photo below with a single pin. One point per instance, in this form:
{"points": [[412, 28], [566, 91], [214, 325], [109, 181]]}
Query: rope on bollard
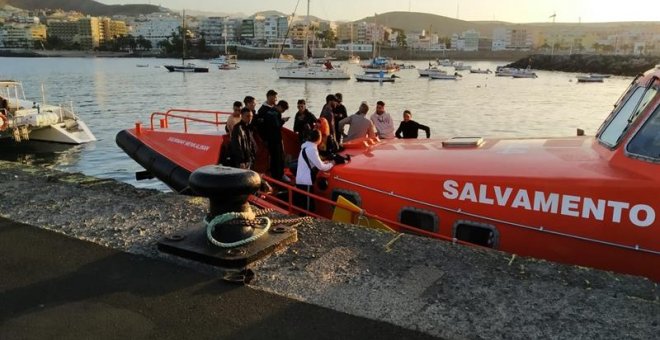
{"points": [[245, 216]]}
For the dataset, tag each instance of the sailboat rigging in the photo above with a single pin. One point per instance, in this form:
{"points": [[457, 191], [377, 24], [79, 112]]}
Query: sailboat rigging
{"points": [[353, 58], [226, 61], [308, 69], [189, 67]]}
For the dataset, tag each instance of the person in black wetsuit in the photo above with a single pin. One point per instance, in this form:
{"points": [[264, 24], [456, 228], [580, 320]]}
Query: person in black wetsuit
{"points": [[409, 127]]}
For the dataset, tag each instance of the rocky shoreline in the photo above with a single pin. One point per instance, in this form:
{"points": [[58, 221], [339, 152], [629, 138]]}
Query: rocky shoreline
{"points": [[439, 288], [604, 64]]}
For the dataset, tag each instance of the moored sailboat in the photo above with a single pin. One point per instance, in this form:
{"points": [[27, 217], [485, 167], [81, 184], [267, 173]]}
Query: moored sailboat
{"points": [[185, 67]]}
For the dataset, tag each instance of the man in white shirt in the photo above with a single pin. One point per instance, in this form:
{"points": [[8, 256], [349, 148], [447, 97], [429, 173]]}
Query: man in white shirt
{"points": [[383, 121]]}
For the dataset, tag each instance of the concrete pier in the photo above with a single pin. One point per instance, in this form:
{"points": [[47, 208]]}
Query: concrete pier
{"points": [[414, 286]]}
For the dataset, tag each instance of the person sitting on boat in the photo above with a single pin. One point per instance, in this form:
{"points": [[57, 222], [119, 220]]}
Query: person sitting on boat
{"points": [[272, 136], [243, 149], [233, 118], [304, 121], [309, 164], [340, 113], [328, 65], [409, 127], [383, 121], [359, 125]]}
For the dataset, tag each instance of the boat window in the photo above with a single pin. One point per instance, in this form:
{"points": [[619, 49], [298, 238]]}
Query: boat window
{"points": [[352, 196], [646, 142], [478, 233], [418, 218], [626, 115]]}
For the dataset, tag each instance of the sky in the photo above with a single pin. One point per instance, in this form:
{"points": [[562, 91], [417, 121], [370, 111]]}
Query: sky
{"points": [[515, 11]]}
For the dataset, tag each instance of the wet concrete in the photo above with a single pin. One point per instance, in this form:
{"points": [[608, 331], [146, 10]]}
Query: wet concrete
{"points": [[436, 288]]}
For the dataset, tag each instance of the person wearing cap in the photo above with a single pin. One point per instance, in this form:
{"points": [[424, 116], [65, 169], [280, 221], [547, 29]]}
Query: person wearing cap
{"points": [[410, 128], [383, 121], [272, 127], [340, 113], [359, 125]]}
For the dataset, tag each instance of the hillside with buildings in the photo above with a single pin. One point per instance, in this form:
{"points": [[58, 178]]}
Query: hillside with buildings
{"points": [[89, 25]]}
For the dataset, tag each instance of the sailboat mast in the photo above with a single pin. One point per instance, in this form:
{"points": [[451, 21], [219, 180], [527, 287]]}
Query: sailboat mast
{"points": [[306, 44], [183, 39]]}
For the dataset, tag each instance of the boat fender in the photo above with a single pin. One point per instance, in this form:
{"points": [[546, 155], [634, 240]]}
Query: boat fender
{"points": [[5, 122]]}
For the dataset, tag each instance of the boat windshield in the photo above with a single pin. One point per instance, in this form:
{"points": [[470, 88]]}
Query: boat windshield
{"points": [[646, 143], [626, 115]]}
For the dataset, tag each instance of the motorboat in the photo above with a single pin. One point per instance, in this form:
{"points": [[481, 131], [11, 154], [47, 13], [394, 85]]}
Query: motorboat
{"points": [[380, 64], [23, 120], [589, 79], [480, 71], [444, 76], [524, 75], [375, 78], [227, 62], [445, 62], [354, 59], [585, 200], [188, 67], [431, 69], [310, 68], [459, 66]]}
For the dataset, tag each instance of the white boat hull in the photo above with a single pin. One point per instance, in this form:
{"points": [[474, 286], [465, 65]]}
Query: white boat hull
{"points": [[69, 132], [312, 73]]}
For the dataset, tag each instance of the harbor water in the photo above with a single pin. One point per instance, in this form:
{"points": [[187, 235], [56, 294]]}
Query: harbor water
{"points": [[111, 94]]}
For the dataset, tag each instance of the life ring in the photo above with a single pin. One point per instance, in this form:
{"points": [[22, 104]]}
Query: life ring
{"points": [[5, 122]]}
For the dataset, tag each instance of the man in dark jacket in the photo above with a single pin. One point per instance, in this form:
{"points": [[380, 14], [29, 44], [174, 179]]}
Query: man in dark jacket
{"points": [[272, 136], [243, 148], [410, 128]]}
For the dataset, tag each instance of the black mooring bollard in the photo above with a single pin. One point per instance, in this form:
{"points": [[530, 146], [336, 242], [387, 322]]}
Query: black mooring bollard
{"points": [[228, 190]]}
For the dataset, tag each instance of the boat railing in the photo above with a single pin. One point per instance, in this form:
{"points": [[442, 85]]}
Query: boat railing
{"points": [[289, 206], [185, 116]]}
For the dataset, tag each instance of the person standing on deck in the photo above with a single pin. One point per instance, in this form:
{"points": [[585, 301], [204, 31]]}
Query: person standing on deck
{"points": [[272, 127], [328, 112], [233, 118], [340, 113], [243, 148], [309, 163], [304, 121]]}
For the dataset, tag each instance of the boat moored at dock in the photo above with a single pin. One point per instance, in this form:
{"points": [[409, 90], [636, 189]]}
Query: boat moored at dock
{"points": [[584, 200]]}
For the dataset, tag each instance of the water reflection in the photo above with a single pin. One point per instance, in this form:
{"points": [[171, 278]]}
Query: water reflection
{"points": [[38, 153]]}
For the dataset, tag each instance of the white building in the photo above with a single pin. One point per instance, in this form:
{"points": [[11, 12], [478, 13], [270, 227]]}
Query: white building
{"points": [[466, 41], [511, 39], [156, 27]]}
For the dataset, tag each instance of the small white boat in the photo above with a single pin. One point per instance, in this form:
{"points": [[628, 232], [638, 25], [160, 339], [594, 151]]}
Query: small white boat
{"points": [[282, 59], [524, 75], [445, 62], [354, 59], [375, 78], [459, 66], [22, 119], [444, 76], [432, 69], [589, 79], [480, 71], [227, 62]]}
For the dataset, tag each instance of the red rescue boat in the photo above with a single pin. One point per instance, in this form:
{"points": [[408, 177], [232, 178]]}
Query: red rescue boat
{"points": [[585, 200]]}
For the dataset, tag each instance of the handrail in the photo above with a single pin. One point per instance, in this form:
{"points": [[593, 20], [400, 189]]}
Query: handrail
{"points": [[186, 118], [294, 209]]}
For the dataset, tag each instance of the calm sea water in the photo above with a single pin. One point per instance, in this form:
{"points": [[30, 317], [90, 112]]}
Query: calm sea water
{"points": [[111, 94]]}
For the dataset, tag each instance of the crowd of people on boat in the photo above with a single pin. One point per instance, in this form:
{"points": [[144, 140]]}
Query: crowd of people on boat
{"points": [[320, 138]]}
